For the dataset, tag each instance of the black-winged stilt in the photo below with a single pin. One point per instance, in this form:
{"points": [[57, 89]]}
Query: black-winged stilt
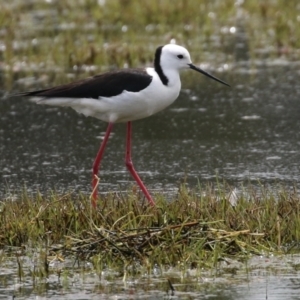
{"points": [[124, 96]]}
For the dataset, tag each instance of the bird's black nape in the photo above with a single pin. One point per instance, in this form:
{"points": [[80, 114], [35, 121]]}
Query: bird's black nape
{"points": [[164, 79]]}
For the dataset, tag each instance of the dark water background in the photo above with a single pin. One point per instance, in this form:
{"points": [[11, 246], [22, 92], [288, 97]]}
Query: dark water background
{"points": [[246, 133]]}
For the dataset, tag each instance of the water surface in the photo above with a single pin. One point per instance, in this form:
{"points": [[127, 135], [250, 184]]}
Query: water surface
{"points": [[274, 278], [246, 133]]}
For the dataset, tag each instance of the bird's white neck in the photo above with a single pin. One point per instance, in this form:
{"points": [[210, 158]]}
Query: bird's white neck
{"points": [[173, 77]]}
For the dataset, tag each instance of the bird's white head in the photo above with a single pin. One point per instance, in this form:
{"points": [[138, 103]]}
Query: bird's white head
{"points": [[174, 57]]}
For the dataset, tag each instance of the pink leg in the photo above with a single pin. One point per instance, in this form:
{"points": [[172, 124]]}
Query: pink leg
{"points": [[96, 164], [130, 166]]}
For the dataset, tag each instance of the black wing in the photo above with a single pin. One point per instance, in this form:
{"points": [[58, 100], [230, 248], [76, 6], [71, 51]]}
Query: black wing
{"points": [[105, 85]]}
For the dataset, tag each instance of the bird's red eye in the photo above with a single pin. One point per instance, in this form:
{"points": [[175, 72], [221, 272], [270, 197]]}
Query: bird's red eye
{"points": [[180, 56]]}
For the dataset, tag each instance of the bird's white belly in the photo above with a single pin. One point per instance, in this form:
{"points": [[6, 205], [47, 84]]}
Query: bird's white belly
{"points": [[130, 106]]}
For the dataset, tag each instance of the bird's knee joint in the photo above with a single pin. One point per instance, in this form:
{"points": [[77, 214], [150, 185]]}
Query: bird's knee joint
{"points": [[129, 164]]}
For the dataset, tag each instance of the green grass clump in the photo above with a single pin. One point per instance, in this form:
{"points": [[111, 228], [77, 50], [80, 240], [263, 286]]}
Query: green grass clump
{"points": [[192, 230]]}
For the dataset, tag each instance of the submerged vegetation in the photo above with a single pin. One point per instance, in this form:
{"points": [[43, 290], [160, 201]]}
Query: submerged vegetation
{"points": [[195, 230]]}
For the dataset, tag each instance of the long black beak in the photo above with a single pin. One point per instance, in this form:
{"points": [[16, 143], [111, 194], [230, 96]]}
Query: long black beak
{"points": [[193, 67]]}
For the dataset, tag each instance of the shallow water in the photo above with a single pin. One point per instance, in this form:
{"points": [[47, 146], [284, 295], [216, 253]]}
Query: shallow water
{"points": [[246, 133], [261, 278]]}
